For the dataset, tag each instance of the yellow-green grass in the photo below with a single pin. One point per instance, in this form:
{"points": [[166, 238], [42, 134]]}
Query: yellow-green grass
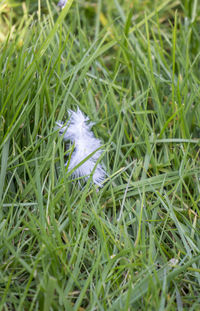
{"points": [[133, 68]]}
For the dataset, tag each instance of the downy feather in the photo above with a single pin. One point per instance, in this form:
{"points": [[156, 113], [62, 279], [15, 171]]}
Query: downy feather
{"points": [[78, 131], [62, 3]]}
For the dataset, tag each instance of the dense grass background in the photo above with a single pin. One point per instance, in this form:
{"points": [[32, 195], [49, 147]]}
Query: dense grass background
{"points": [[133, 68]]}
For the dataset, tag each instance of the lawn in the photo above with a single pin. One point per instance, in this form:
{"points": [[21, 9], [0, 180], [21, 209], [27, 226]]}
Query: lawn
{"points": [[133, 67]]}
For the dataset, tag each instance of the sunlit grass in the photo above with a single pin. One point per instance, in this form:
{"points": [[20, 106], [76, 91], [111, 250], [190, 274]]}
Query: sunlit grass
{"points": [[134, 70]]}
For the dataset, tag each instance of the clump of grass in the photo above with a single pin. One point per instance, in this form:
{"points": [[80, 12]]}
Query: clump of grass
{"points": [[134, 244]]}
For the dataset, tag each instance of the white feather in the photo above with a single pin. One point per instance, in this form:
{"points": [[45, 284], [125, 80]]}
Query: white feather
{"points": [[78, 131], [62, 3]]}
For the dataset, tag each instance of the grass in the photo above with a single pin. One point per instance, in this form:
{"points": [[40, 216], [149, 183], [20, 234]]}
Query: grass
{"points": [[134, 70]]}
